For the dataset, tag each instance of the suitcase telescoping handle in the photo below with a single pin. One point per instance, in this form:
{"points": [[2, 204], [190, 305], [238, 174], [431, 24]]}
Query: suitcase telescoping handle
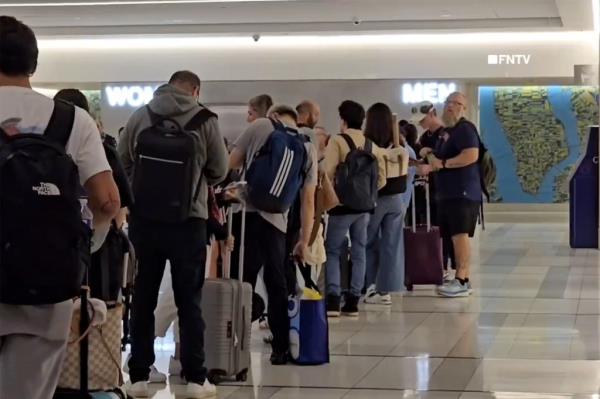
{"points": [[227, 259], [421, 182]]}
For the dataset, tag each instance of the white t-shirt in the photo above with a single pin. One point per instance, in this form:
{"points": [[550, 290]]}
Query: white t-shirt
{"points": [[23, 110]]}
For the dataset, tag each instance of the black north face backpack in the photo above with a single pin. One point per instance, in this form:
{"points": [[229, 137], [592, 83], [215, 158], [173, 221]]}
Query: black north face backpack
{"points": [[43, 240]]}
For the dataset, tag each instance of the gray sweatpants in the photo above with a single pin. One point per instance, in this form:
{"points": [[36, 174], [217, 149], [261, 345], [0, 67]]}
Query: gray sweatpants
{"points": [[29, 366]]}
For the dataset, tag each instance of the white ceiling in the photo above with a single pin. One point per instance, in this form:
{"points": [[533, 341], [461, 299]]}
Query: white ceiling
{"points": [[299, 16]]}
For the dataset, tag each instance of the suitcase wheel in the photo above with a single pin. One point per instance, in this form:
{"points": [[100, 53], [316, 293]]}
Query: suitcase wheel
{"points": [[242, 376]]}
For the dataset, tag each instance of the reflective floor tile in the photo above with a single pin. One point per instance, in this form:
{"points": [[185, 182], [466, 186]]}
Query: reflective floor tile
{"points": [[508, 305], [309, 393], [558, 376], [342, 372], [253, 393], [370, 343], [555, 306], [454, 374], [401, 373], [383, 394]]}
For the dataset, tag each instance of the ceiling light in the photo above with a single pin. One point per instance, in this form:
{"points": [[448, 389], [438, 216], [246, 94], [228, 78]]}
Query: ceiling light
{"points": [[120, 3], [451, 39]]}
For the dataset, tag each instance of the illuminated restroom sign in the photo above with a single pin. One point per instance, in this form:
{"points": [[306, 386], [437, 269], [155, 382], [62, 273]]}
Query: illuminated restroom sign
{"points": [[435, 92], [130, 96]]}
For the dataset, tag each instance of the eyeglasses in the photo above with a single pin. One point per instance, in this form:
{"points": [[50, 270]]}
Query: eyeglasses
{"points": [[423, 109], [452, 102]]}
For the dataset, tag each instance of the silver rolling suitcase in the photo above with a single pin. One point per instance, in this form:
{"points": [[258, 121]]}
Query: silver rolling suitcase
{"points": [[227, 311]]}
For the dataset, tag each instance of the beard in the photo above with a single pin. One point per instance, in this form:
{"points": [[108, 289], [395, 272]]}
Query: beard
{"points": [[450, 120]]}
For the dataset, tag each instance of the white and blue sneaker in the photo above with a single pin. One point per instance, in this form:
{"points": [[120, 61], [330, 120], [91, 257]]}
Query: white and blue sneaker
{"points": [[454, 289]]}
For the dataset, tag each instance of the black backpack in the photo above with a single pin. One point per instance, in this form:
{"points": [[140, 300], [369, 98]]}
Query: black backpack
{"points": [[44, 242], [356, 177], [166, 183]]}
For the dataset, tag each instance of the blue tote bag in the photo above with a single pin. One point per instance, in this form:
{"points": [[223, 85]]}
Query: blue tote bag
{"points": [[309, 330]]}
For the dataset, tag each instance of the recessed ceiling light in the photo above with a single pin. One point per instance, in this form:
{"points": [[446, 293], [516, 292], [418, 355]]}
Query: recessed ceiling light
{"points": [[455, 39]]}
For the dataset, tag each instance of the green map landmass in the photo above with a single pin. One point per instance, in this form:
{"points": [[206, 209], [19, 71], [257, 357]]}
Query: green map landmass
{"points": [[583, 104], [534, 133]]}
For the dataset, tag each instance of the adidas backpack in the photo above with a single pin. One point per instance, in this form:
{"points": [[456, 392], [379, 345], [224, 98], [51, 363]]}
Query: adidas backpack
{"points": [[166, 179], [276, 174], [356, 177], [44, 241]]}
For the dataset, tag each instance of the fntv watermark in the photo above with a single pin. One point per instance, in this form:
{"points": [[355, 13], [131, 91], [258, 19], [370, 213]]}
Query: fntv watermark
{"points": [[509, 59]]}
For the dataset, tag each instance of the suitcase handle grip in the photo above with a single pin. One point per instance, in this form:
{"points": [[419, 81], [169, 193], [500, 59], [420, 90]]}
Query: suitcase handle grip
{"points": [[421, 182]]}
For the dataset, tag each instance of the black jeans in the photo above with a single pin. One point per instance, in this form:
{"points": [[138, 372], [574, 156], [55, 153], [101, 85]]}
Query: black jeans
{"points": [[265, 246], [184, 245]]}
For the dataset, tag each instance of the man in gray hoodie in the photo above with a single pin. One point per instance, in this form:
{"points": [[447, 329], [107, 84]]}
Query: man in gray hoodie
{"points": [[181, 243]]}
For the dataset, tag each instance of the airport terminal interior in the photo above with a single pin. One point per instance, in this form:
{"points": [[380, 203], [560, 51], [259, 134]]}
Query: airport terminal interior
{"points": [[530, 328]]}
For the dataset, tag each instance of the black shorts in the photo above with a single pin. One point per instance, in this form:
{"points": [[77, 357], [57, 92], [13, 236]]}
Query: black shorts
{"points": [[458, 216]]}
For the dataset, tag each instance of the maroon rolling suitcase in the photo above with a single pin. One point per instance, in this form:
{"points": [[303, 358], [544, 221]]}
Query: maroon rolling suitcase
{"points": [[422, 249]]}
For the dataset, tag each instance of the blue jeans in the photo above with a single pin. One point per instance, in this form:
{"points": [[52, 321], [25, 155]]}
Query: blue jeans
{"points": [[385, 245], [338, 227]]}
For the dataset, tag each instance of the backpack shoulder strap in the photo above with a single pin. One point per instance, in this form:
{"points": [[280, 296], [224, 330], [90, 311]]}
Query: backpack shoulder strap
{"points": [[200, 119], [349, 141], [277, 125], [61, 122]]}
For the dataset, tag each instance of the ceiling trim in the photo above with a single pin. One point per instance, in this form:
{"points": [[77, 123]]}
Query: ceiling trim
{"points": [[460, 25]]}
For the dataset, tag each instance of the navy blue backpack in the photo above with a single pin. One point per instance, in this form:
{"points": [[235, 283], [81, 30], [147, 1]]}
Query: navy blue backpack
{"points": [[276, 173]]}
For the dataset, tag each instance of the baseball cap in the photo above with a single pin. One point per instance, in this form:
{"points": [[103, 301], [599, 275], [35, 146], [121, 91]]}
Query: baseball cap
{"points": [[420, 111]]}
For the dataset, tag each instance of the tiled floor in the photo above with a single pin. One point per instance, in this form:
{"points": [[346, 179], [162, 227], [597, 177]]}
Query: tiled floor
{"points": [[530, 331]]}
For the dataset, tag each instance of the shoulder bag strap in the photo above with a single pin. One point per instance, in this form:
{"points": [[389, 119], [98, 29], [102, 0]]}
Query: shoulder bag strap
{"points": [[349, 141], [61, 122]]}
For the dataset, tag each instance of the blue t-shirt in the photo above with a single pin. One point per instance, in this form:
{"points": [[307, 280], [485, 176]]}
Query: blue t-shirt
{"points": [[457, 183]]}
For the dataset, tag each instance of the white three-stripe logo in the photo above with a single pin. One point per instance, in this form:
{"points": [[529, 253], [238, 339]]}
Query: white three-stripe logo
{"points": [[282, 173]]}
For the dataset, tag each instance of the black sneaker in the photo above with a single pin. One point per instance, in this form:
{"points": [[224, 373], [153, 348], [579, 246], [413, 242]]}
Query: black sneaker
{"points": [[351, 306], [333, 306], [279, 359]]}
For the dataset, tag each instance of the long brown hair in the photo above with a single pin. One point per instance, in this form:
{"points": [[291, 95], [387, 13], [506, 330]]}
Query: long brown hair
{"points": [[380, 125]]}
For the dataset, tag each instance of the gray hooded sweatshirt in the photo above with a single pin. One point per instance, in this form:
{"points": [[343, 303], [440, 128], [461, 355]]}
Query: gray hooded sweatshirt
{"points": [[174, 103]]}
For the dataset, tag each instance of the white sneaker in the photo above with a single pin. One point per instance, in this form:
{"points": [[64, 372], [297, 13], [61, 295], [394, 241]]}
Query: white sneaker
{"points": [[174, 367], [197, 391], [155, 377], [137, 390], [371, 296], [385, 299]]}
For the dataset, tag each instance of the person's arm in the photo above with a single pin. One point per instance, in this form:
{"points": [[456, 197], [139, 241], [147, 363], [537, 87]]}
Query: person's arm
{"points": [[236, 159], [104, 201], [467, 141], [332, 158], [307, 213], [307, 220], [96, 176], [215, 169]]}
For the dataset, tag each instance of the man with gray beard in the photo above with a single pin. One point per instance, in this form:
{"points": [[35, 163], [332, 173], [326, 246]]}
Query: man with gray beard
{"points": [[455, 158]]}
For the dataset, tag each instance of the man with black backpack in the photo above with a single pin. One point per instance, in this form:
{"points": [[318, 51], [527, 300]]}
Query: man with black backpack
{"points": [[279, 165], [172, 151], [357, 168], [456, 159], [48, 150]]}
